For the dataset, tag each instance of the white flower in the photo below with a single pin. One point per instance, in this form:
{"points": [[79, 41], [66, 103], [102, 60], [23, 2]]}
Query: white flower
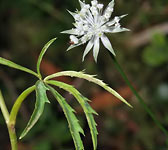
{"points": [[91, 24]]}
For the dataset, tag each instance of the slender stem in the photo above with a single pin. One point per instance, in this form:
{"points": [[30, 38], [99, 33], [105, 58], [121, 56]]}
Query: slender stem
{"points": [[4, 108], [11, 129], [141, 101], [13, 137]]}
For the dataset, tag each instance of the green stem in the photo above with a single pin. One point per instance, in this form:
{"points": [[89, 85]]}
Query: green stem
{"points": [[141, 101], [12, 136], [4, 108], [11, 129]]}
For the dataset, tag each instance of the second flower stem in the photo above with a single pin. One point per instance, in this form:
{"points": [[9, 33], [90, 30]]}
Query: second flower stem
{"points": [[139, 98], [11, 128]]}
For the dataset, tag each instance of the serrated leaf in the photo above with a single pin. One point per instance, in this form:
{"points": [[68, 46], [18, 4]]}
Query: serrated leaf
{"points": [[41, 99], [73, 122], [42, 54], [11, 64], [90, 78], [85, 105]]}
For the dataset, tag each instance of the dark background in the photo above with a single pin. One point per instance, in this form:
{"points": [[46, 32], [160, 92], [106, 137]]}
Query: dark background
{"points": [[26, 25]]}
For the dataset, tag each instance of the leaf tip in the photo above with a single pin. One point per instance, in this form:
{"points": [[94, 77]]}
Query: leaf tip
{"points": [[129, 104], [22, 135]]}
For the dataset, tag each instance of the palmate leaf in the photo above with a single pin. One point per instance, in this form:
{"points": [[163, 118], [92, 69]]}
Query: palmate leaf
{"points": [[85, 105], [73, 122], [11, 64], [41, 99], [46, 46], [90, 78]]}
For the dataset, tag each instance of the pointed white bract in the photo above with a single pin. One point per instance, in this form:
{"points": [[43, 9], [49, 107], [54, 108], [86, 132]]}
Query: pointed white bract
{"points": [[91, 24]]}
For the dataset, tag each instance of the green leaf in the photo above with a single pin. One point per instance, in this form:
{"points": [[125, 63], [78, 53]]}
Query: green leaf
{"points": [[18, 103], [73, 122], [85, 105], [90, 78], [11, 64], [42, 54], [41, 99]]}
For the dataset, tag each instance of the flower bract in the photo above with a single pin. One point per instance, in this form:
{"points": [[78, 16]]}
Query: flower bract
{"points": [[92, 23]]}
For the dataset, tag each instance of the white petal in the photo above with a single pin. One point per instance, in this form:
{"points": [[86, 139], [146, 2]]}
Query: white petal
{"points": [[110, 23], [72, 13], [109, 29], [116, 30], [123, 16], [109, 7], [88, 48], [111, 4], [96, 48], [73, 46], [107, 44], [82, 4], [72, 31]]}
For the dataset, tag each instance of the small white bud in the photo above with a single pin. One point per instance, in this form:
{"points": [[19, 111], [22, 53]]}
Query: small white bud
{"points": [[117, 19], [74, 39], [87, 6], [100, 6], [94, 2]]}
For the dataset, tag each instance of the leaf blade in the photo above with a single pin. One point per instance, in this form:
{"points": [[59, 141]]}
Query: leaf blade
{"points": [[85, 105], [90, 78], [11, 64], [43, 51], [41, 99], [74, 126]]}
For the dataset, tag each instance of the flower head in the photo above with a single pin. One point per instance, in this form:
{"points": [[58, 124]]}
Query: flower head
{"points": [[91, 24]]}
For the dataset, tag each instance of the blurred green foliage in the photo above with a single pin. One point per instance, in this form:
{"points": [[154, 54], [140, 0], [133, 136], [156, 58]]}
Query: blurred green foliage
{"points": [[156, 53]]}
